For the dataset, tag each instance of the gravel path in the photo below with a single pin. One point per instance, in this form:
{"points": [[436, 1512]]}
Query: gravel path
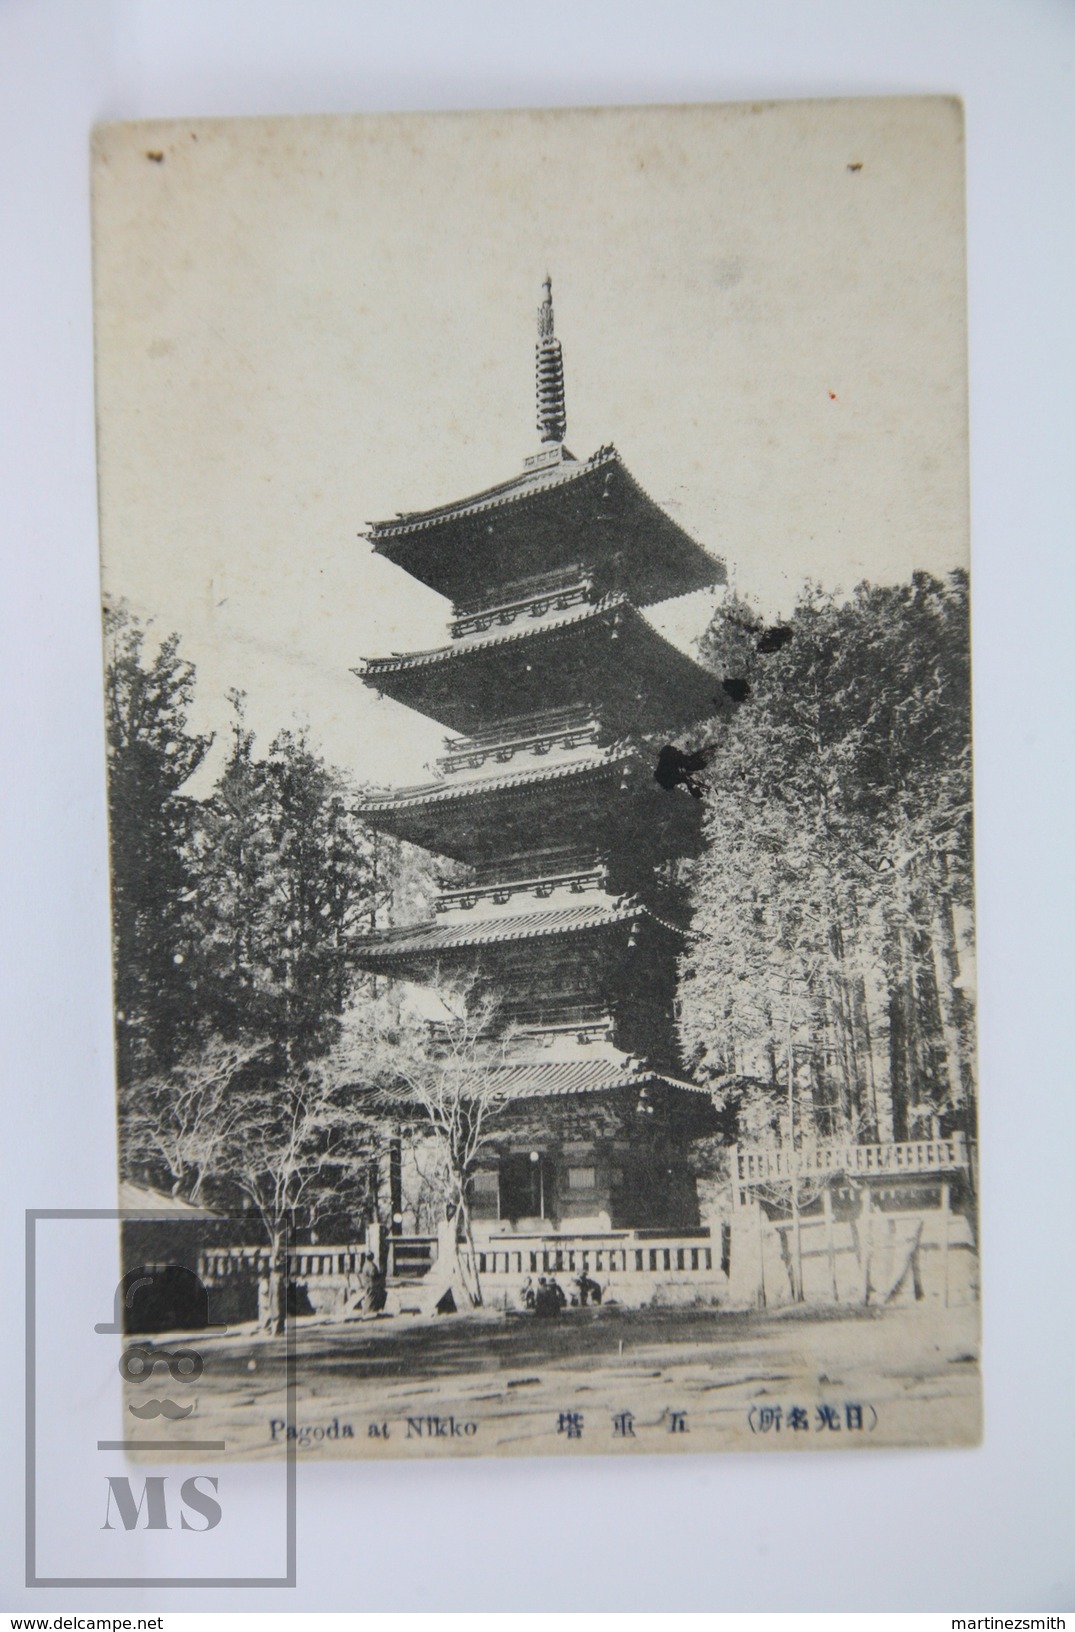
{"points": [[687, 1379]]}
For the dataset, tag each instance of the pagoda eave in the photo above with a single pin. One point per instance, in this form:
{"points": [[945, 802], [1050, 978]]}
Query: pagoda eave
{"points": [[606, 655], [413, 952], [477, 820], [603, 765], [528, 1080]]}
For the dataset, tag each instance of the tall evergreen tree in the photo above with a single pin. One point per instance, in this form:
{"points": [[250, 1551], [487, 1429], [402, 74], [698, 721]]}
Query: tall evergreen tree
{"points": [[286, 874], [834, 898], [232, 917], [151, 756]]}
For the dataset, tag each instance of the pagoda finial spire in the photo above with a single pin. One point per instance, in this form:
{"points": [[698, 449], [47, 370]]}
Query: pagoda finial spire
{"points": [[551, 407]]}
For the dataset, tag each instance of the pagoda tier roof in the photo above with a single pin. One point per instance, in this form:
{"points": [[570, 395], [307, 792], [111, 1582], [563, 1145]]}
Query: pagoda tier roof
{"points": [[554, 1079], [591, 511], [425, 942], [604, 654], [577, 799], [449, 790]]}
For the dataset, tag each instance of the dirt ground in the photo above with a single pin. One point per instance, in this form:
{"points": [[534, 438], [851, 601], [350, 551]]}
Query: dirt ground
{"points": [[609, 1380]]}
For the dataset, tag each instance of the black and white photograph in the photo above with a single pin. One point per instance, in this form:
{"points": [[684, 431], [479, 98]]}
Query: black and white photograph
{"points": [[535, 565]]}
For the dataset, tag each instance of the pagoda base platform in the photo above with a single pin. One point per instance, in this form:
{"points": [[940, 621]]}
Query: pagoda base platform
{"points": [[632, 1269]]}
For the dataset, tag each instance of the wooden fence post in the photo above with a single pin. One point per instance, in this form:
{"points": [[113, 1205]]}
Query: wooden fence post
{"points": [[830, 1240], [865, 1241], [945, 1199]]}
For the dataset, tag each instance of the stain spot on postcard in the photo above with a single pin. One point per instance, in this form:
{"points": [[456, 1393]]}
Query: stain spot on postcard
{"points": [[728, 272]]}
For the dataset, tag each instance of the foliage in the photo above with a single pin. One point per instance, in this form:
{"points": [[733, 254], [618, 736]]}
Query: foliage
{"points": [[834, 897], [296, 1146], [151, 756], [182, 1121], [233, 916], [284, 878]]}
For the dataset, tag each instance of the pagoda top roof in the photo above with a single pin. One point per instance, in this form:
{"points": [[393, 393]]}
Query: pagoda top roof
{"points": [[525, 485], [590, 511]]}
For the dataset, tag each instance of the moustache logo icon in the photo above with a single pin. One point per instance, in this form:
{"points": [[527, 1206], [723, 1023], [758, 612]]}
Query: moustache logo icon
{"points": [[161, 1408]]}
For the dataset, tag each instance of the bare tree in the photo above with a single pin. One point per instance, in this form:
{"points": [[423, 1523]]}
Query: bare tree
{"points": [[448, 1080], [296, 1146], [183, 1120]]}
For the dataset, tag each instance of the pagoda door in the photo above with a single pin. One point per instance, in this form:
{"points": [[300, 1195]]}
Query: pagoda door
{"points": [[522, 1186]]}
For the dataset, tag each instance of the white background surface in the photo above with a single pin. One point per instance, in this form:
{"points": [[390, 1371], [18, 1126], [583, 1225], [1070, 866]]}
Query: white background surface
{"points": [[988, 1530]]}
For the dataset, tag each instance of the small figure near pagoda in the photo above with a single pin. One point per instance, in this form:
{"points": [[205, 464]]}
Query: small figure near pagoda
{"points": [[589, 1290]]}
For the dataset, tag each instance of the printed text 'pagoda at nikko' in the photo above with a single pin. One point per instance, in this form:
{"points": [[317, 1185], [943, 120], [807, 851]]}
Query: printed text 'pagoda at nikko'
{"points": [[557, 693]]}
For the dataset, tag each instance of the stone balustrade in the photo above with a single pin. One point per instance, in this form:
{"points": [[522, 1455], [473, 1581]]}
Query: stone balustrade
{"points": [[812, 1161], [217, 1264]]}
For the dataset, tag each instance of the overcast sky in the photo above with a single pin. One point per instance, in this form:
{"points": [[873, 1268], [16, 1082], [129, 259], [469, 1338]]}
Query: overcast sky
{"points": [[306, 325]]}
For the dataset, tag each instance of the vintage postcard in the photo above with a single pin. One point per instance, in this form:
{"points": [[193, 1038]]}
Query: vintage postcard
{"points": [[535, 564]]}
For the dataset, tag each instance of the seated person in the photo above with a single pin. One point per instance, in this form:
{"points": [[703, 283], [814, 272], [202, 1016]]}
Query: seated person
{"points": [[589, 1291], [545, 1300]]}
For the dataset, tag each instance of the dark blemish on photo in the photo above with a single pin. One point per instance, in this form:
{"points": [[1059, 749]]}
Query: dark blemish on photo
{"points": [[856, 166], [158, 158], [737, 688], [674, 768], [832, 396], [774, 639]]}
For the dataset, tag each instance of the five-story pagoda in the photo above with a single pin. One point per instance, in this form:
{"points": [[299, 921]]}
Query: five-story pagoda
{"points": [[558, 693]]}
